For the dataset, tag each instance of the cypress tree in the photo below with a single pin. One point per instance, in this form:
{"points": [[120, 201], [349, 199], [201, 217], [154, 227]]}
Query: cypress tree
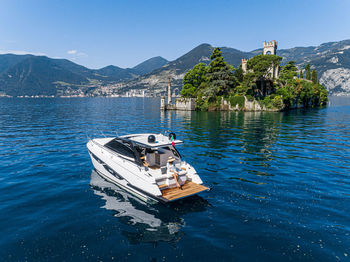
{"points": [[219, 75], [301, 75], [308, 72], [314, 76]]}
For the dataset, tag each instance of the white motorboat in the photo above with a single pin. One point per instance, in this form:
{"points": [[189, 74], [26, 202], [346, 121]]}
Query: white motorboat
{"points": [[147, 165]]}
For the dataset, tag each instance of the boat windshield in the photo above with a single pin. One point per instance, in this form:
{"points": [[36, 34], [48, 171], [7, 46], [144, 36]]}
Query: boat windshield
{"points": [[143, 155], [121, 147]]}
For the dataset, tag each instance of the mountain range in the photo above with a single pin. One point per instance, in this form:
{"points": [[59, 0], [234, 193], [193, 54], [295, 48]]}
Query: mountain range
{"points": [[40, 75]]}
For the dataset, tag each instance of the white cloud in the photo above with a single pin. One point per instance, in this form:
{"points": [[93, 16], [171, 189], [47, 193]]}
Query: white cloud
{"points": [[76, 54], [20, 52], [72, 52]]}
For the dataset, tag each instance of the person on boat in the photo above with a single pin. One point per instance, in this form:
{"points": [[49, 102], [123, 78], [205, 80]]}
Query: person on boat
{"points": [[171, 167]]}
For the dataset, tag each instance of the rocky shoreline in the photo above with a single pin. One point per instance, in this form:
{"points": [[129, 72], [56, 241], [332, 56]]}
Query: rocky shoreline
{"points": [[189, 104]]}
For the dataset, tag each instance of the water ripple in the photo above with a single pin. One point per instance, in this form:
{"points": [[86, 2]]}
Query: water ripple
{"points": [[280, 184]]}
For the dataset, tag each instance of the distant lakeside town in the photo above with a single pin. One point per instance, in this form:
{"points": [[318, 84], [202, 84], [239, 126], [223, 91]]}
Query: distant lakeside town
{"points": [[132, 93]]}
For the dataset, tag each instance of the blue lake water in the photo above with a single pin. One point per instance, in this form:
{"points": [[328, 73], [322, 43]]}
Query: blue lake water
{"points": [[280, 184]]}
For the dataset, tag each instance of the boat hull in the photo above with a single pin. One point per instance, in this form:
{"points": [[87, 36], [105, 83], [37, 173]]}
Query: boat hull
{"points": [[106, 173]]}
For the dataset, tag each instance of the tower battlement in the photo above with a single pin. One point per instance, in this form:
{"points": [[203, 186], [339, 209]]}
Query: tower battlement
{"points": [[270, 48], [273, 43]]}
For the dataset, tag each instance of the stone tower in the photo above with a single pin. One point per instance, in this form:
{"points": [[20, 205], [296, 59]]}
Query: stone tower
{"points": [[169, 90], [270, 48], [244, 65]]}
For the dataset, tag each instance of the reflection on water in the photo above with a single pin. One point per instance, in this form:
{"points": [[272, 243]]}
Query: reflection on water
{"points": [[252, 140], [150, 223], [227, 140]]}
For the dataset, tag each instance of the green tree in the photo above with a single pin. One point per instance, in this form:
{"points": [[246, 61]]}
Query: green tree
{"points": [[193, 79], [323, 94], [220, 77], [260, 65], [288, 94], [288, 72], [305, 92], [308, 72], [259, 70], [314, 76], [290, 67], [301, 75], [239, 73]]}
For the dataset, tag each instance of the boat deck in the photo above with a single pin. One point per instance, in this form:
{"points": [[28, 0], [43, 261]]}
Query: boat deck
{"points": [[188, 189]]}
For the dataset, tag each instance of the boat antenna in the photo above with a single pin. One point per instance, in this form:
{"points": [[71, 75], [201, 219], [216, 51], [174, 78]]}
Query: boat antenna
{"points": [[102, 133]]}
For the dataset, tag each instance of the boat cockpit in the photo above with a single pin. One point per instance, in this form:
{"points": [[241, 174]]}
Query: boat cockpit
{"points": [[150, 156]]}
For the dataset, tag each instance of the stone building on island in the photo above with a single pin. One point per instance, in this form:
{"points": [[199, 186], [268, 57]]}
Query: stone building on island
{"points": [[266, 84], [269, 48], [266, 87]]}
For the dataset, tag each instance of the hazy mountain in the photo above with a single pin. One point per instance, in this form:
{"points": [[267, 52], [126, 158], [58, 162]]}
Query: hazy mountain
{"points": [[8, 60], [234, 56], [40, 75], [157, 80], [72, 67], [150, 65], [114, 73]]}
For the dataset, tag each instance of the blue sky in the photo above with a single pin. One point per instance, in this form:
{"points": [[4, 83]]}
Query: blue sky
{"points": [[125, 33]]}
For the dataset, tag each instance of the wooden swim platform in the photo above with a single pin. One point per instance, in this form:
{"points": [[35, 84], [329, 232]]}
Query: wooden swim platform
{"points": [[188, 189]]}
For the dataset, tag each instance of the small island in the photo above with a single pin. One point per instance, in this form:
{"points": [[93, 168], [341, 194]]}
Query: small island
{"points": [[258, 84]]}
